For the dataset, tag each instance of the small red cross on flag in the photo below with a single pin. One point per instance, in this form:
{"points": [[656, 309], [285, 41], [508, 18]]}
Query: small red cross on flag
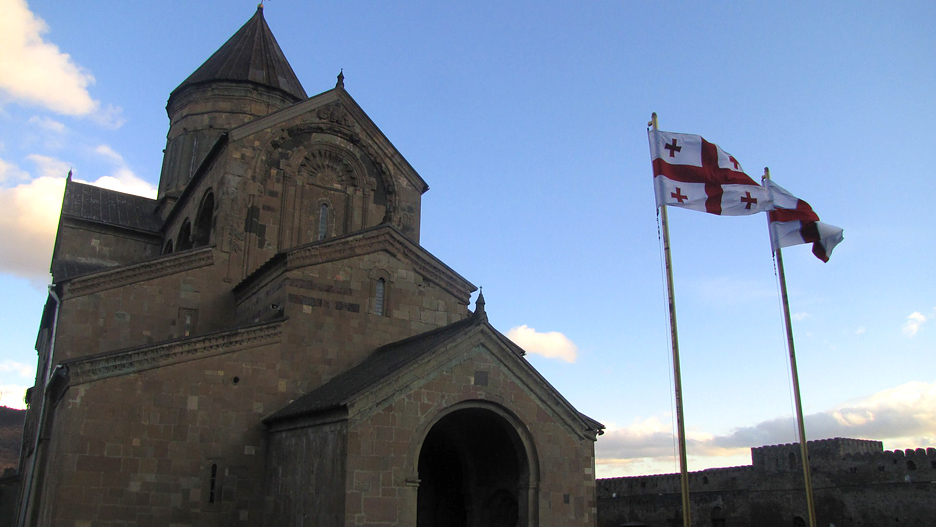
{"points": [[691, 173]]}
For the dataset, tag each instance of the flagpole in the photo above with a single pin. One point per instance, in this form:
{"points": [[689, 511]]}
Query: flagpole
{"points": [[804, 452], [677, 378]]}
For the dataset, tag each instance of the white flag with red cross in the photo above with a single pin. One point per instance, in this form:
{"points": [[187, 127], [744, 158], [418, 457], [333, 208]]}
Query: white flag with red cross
{"points": [[691, 173], [793, 221]]}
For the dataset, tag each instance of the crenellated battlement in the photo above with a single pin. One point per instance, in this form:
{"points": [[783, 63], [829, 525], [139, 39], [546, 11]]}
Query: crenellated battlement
{"points": [[711, 479], [857, 471]]}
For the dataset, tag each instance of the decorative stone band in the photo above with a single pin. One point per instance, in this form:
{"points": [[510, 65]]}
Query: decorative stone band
{"points": [[135, 273], [123, 362], [393, 243], [381, 238]]}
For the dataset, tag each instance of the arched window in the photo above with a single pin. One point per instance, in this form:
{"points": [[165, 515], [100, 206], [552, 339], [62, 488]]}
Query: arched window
{"points": [[791, 460], [323, 222], [184, 242], [168, 248], [202, 235], [380, 296], [799, 522], [911, 465]]}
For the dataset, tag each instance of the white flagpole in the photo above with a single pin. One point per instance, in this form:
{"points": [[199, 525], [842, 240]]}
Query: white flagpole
{"points": [[804, 453], [677, 378]]}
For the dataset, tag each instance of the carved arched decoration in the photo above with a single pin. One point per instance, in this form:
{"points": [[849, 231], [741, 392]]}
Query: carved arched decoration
{"points": [[299, 140], [168, 248], [204, 220]]}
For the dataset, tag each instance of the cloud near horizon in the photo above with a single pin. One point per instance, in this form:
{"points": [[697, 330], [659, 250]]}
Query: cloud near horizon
{"points": [[12, 395], [902, 417], [35, 72], [552, 344]]}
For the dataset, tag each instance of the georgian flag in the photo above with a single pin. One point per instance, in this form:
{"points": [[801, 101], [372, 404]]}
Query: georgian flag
{"points": [[792, 222], [692, 173]]}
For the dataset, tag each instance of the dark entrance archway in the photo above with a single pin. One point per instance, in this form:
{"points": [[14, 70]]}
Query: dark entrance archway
{"points": [[473, 472]]}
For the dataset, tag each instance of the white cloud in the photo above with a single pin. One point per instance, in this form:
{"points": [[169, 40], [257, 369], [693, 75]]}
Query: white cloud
{"points": [[913, 324], [49, 166], [34, 71], [11, 172], [123, 179], [902, 417], [23, 370], [799, 317], [13, 395], [28, 220], [553, 345], [47, 124], [861, 330], [29, 216]]}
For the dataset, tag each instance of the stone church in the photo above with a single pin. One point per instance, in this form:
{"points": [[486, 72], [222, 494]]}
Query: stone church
{"points": [[267, 343]]}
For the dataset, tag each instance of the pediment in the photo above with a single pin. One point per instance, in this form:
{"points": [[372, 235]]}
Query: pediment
{"points": [[383, 238], [400, 368], [336, 113]]}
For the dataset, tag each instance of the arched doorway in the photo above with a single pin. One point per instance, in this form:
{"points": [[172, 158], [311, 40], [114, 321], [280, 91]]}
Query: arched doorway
{"points": [[473, 471]]}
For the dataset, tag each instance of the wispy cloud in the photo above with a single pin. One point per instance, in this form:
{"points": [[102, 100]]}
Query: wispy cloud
{"points": [[47, 124], [23, 370], [552, 344], [10, 172], [902, 417], [36, 72], [914, 323]]}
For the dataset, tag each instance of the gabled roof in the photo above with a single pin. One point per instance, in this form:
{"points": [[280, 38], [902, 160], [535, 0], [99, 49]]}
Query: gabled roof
{"points": [[376, 368], [390, 361], [251, 55], [109, 207]]}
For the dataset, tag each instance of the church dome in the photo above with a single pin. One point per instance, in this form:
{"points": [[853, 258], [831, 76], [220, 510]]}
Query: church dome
{"points": [[251, 55]]}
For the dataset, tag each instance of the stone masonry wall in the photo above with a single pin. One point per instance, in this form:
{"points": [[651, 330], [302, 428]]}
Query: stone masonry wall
{"points": [[138, 449], [855, 483], [101, 314], [383, 446]]}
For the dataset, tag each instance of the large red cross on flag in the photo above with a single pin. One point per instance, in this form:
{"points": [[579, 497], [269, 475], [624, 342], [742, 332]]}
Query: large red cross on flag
{"points": [[692, 173], [793, 221]]}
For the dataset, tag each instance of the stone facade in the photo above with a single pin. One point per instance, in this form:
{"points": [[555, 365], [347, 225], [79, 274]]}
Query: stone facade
{"points": [[856, 484], [267, 343]]}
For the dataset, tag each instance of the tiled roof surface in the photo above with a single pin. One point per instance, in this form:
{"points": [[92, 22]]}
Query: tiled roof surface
{"points": [[379, 366], [65, 269], [100, 205], [251, 55]]}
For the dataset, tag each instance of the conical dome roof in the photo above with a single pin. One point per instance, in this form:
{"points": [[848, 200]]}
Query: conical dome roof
{"points": [[251, 55]]}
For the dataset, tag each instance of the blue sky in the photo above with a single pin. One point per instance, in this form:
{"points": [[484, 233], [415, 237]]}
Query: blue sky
{"points": [[528, 121]]}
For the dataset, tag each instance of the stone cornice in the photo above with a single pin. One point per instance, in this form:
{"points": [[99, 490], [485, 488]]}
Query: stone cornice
{"points": [[139, 272], [389, 240], [117, 363], [376, 239]]}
